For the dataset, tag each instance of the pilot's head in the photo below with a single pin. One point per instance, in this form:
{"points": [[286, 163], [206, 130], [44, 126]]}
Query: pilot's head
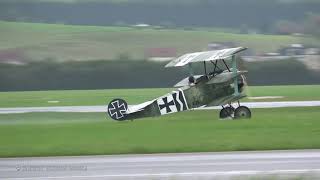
{"points": [[191, 80]]}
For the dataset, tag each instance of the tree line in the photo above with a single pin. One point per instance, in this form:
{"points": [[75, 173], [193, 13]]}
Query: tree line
{"points": [[262, 15], [136, 74]]}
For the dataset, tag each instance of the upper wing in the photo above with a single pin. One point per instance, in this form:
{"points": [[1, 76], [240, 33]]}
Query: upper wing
{"points": [[204, 56]]}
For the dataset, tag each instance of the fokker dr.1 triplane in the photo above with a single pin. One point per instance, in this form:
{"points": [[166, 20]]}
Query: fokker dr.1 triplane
{"points": [[219, 87]]}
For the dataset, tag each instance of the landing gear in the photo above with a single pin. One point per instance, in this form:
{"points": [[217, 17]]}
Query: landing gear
{"points": [[226, 112], [242, 112]]}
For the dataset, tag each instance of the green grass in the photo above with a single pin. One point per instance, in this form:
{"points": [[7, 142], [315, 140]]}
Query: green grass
{"points": [[290, 93], [135, 96], [48, 134], [77, 97], [39, 41]]}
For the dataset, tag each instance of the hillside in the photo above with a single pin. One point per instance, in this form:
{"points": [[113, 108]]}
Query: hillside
{"points": [[36, 41]]}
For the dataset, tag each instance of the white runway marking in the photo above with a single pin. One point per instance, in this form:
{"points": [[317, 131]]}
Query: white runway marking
{"points": [[266, 97], [187, 174], [53, 101], [104, 108]]}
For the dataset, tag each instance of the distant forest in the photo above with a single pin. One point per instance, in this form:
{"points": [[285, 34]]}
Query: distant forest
{"points": [[137, 74], [260, 15]]}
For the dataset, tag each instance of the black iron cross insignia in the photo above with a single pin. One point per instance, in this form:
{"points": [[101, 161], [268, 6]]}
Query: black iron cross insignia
{"points": [[166, 104]]}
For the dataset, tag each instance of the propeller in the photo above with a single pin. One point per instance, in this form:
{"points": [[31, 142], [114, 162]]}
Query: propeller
{"points": [[246, 86], [242, 66]]}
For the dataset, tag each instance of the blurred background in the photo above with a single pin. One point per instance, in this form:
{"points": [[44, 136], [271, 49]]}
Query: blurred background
{"points": [[101, 44]]}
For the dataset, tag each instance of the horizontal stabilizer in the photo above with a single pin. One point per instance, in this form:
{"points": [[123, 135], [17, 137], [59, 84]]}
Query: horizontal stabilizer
{"points": [[138, 107]]}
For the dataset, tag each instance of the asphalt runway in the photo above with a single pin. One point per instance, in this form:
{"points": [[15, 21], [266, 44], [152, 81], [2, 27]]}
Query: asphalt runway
{"points": [[104, 108], [223, 165]]}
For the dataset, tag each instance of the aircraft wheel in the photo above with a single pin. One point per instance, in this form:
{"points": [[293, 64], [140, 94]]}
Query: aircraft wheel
{"points": [[242, 112], [226, 112]]}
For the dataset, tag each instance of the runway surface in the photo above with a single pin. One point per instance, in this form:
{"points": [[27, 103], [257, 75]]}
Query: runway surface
{"points": [[104, 108], [222, 165]]}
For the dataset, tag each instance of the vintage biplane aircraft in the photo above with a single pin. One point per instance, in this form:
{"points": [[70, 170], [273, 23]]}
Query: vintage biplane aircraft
{"points": [[221, 87]]}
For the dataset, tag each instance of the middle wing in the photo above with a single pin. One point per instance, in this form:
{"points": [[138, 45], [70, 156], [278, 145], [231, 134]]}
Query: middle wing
{"points": [[204, 56]]}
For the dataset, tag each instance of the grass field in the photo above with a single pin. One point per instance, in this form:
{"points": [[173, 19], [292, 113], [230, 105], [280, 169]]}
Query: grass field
{"points": [[65, 42], [135, 96], [48, 134]]}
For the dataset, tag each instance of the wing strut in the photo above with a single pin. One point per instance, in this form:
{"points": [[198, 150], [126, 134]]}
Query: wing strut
{"points": [[224, 62], [190, 69], [205, 67], [234, 71], [215, 65]]}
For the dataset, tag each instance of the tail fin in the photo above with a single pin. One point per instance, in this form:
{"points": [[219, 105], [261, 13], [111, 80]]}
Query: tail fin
{"points": [[117, 109]]}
